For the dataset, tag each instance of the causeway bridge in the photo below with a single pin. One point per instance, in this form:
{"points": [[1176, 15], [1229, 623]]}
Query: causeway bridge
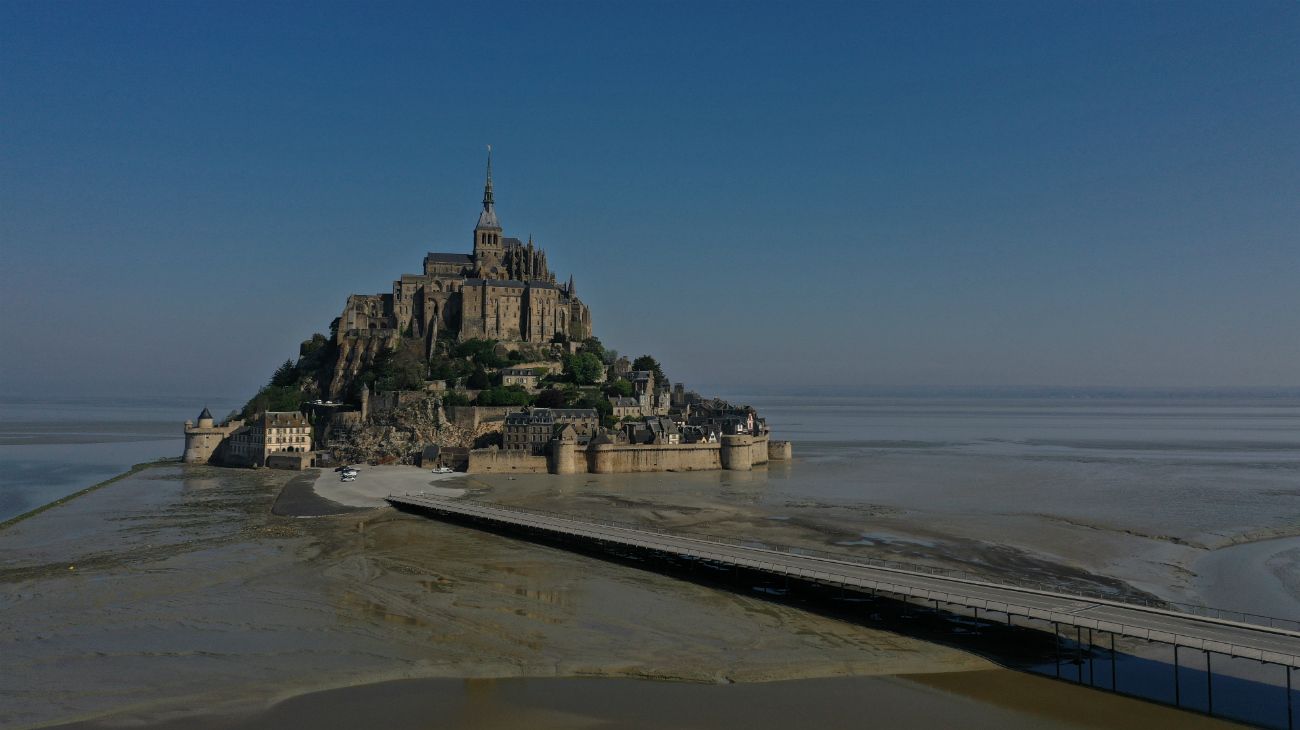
{"points": [[1271, 641]]}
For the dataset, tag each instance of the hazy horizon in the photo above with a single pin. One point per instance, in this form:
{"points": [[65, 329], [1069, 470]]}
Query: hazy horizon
{"points": [[933, 195]]}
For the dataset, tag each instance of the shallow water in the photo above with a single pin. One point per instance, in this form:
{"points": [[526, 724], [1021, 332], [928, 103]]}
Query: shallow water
{"points": [[50, 448], [194, 590]]}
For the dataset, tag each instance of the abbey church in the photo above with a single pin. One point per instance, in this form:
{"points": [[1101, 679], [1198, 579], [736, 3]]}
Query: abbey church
{"points": [[503, 291]]}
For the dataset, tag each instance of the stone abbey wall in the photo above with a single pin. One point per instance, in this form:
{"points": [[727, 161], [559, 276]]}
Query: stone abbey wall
{"points": [[627, 459], [471, 417], [740, 453], [514, 461]]}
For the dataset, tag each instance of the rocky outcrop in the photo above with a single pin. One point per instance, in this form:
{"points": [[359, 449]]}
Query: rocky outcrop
{"points": [[400, 434], [356, 351]]}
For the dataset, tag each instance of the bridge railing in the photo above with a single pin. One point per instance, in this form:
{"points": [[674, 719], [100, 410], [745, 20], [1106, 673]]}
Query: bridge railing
{"points": [[921, 568]]}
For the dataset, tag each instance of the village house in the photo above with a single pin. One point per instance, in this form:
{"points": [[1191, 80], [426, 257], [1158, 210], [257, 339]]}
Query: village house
{"points": [[625, 407], [271, 434], [527, 377], [532, 428]]}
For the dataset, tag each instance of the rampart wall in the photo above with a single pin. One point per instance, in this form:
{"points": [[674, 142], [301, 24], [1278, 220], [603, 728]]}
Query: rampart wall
{"points": [[512, 461], [739, 453], [627, 458], [471, 417]]}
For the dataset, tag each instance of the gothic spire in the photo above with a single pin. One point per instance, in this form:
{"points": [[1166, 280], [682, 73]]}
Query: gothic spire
{"points": [[570, 286], [487, 187], [488, 218]]}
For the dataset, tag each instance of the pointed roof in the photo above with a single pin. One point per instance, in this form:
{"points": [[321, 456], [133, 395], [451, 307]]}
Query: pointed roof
{"points": [[205, 414], [488, 218]]}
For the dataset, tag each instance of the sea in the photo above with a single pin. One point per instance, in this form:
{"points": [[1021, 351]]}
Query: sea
{"points": [[53, 447], [1217, 470]]}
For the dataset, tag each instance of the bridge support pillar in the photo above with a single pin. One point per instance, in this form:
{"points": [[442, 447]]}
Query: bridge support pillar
{"points": [[1177, 694], [1092, 680], [1290, 723], [1078, 650], [1209, 687], [1056, 634], [1114, 682]]}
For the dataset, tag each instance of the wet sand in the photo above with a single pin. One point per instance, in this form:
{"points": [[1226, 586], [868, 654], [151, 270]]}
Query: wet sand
{"points": [[179, 595], [737, 505], [177, 590], [1256, 577], [995, 699]]}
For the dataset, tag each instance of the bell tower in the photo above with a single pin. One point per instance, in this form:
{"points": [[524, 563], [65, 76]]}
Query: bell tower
{"points": [[488, 244]]}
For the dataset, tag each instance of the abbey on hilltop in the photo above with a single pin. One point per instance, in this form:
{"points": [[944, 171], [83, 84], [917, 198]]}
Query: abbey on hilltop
{"points": [[502, 291], [485, 363]]}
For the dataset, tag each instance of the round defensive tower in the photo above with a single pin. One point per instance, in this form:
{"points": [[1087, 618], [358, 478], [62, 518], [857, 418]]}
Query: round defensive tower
{"points": [[737, 454], [600, 454], [562, 458], [779, 451], [201, 439]]}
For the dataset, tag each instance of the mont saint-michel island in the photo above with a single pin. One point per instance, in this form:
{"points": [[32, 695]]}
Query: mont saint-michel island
{"points": [[777, 366], [484, 362]]}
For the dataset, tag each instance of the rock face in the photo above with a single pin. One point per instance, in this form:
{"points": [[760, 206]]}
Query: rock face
{"points": [[354, 354], [399, 435]]}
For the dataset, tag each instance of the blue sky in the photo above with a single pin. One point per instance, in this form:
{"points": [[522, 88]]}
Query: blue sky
{"points": [[839, 194]]}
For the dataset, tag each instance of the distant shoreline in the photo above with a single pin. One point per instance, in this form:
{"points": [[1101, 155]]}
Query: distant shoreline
{"points": [[135, 469]]}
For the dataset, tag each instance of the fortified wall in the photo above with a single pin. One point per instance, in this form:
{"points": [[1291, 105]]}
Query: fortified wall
{"points": [[735, 453]]}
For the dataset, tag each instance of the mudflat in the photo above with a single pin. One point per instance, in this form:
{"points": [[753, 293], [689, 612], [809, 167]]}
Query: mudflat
{"points": [[178, 591]]}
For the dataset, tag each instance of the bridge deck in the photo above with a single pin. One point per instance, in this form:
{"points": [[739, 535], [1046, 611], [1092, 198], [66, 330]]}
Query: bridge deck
{"points": [[1275, 645]]}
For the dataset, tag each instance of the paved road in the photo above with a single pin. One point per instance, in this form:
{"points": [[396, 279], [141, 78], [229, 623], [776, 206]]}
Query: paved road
{"points": [[1262, 643]]}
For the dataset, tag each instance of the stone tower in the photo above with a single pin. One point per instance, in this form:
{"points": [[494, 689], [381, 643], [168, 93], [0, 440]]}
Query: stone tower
{"points": [[204, 439], [488, 244]]}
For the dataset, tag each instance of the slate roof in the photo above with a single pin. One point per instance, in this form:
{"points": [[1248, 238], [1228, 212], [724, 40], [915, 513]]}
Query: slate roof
{"points": [[534, 417], [205, 414], [284, 419], [488, 218], [449, 258], [508, 283], [572, 413]]}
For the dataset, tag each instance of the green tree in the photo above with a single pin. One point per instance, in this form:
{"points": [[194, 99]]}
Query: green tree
{"points": [[583, 368], [551, 398], [274, 398], [593, 346], [455, 398], [478, 380], [507, 395], [645, 362], [284, 375], [619, 388], [480, 351], [603, 407]]}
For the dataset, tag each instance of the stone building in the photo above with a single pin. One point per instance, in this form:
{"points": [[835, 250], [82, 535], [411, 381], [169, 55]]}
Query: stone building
{"points": [[654, 400], [271, 434], [624, 407], [527, 377], [533, 428], [203, 440], [503, 290], [529, 430]]}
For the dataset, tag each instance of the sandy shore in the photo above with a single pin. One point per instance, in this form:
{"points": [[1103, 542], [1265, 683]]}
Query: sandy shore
{"points": [[177, 588], [373, 483]]}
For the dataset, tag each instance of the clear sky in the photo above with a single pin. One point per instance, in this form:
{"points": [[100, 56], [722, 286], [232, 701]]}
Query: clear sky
{"points": [[836, 194]]}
